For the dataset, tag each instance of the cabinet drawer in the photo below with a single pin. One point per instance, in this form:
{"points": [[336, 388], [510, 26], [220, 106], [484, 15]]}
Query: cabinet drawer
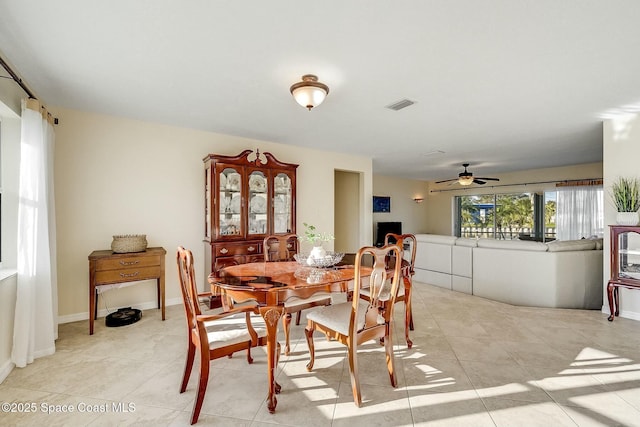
{"points": [[127, 262], [230, 249], [127, 274]]}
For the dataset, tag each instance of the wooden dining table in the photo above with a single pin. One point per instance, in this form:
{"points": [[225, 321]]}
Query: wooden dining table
{"points": [[271, 284]]}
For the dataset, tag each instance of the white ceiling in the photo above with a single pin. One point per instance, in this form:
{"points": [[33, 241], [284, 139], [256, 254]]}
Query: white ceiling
{"points": [[502, 84]]}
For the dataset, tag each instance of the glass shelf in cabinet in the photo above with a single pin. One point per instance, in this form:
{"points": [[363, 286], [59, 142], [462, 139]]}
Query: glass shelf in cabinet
{"points": [[630, 251]]}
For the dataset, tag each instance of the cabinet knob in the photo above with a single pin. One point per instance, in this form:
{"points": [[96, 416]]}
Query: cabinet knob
{"points": [[223, 251], [251, 249]]}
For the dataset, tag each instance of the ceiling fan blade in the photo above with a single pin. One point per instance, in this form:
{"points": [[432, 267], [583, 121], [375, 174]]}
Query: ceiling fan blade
{"points": [[477, 181], [489, 179], [446, 180]]}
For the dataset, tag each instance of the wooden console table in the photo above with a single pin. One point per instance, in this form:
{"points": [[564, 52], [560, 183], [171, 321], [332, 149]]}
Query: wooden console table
{"points": [[107, 268]]}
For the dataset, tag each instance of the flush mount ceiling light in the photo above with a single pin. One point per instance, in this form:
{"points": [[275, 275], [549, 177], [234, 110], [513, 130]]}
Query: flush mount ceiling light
{"points": [[309, 92]]}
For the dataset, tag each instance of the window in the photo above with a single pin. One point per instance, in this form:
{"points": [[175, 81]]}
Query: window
{"points": [[496, 216], [566, 214]]}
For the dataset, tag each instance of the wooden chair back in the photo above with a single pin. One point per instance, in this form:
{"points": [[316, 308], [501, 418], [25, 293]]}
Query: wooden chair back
{"points": [[400, 240], [186, 277], [382, 286], [280, 247]]}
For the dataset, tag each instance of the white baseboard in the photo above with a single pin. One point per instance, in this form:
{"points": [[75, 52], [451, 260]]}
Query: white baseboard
{"points": [[624, 313], [6, 369], [102, 313]]}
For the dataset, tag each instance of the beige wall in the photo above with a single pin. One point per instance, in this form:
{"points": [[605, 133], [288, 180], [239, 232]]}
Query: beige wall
{"points": [[402, 192], [621, 143], [440, 203], [121, 176]]}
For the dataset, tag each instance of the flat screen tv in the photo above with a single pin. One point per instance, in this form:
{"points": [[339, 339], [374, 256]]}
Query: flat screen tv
{"points": [[387, 227]]}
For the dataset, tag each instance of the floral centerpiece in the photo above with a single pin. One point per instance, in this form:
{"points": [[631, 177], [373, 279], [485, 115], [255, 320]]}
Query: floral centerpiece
{"points": [[318, 255], [315, 237]]}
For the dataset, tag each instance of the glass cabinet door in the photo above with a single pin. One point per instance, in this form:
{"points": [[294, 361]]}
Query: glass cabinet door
{"points": [[629, 255], [282, 203], [230, 202], [207, 203], [258, 205]]}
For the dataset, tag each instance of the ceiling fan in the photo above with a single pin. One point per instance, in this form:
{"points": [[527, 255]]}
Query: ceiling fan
{"points": [[466, 178]]}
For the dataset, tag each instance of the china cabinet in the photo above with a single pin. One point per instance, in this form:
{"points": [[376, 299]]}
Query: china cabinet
{"points": [[625, 264], [247, 197]]}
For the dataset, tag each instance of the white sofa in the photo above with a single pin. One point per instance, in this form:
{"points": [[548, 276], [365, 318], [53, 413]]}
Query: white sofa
{"points": [[562, 274]]}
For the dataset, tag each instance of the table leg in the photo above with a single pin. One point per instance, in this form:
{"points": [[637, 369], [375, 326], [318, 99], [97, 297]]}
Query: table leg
{"points": [[610, 289], [272, 315], [161, 296], [93, 297], [161, 288], [93, 307]]}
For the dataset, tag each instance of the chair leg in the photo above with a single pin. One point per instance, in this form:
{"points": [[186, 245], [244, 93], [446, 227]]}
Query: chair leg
{"points": [[298, 315], [278, 350], [308, 332], [388, 349], [191, 352], [407, 323], [202, 385], [408, 314], [352, 354], [249, 358], [286, 324], [407, 302]]}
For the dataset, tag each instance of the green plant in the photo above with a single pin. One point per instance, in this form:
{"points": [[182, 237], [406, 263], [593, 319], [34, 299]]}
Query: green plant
{"points": [[625, 193], [313, 236]]}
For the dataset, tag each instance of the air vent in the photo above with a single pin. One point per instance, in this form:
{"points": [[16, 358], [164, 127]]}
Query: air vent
{"points": [[403, 103]]}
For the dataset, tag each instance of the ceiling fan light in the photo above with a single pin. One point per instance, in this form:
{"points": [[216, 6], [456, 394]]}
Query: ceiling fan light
{"points": [[309, 92], [465, 180]]}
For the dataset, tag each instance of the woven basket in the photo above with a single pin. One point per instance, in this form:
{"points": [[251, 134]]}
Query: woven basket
{"points": [[126, 243]]}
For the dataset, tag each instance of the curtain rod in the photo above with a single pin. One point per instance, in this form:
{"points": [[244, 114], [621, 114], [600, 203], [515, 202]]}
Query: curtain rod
{"points": [[566, 181], [17, 79], [22, 85]]}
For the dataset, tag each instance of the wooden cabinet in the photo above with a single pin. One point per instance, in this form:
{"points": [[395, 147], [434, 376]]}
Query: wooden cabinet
{"points": [[247, 197], [108, 268], [625, 264]]}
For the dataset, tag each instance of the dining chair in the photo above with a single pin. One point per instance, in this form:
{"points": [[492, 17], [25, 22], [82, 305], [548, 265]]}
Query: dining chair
{"points": [[282, 248], [211, 335], [407, 272], [354, 322]]}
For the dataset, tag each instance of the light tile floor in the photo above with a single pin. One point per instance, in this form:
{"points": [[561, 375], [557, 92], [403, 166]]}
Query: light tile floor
{"points": [[474, 362]]}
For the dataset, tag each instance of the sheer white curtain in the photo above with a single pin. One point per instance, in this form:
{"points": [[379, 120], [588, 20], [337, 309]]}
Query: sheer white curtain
{"points": [[36, 327], [579, 212]]}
